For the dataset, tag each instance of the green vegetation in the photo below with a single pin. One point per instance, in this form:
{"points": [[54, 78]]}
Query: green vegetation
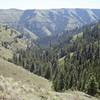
{"points": [[68, 64], [92, 86], [69, 59]]}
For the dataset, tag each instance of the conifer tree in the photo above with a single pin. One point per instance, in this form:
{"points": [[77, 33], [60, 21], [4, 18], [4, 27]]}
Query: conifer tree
{"points": [[92, 86]]}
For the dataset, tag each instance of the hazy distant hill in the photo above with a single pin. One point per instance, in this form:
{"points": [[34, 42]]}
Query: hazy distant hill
{"points": [[42, 23], [10, 16]]}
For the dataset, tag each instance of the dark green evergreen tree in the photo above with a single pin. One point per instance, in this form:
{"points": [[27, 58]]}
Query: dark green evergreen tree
{"points": [[92, 86]]}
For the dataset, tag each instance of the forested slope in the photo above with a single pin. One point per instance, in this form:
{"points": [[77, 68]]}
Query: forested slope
{"points": [[72, 64]]}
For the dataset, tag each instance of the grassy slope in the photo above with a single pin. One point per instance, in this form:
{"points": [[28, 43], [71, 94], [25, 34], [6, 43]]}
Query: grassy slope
{"points": [[25, 85], [10, 38], [19, 74], [18, 84]]}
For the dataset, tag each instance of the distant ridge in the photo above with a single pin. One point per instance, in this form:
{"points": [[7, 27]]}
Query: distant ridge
{"points": [[48, 22]]}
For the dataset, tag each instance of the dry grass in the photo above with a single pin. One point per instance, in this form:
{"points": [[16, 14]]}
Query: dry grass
{"points": [[19, 84], [12, 90], [10, 36], [19, 74]]}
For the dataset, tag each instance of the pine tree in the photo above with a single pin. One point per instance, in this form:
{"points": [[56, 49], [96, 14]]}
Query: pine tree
{"points": [[32, 67], [92, 86], [59, 82], [48, 73]]}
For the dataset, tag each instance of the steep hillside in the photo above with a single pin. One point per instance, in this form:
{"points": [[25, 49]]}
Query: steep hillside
{"points": [[19, 84], [8, 69], [48, 22], [10, 41]]}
